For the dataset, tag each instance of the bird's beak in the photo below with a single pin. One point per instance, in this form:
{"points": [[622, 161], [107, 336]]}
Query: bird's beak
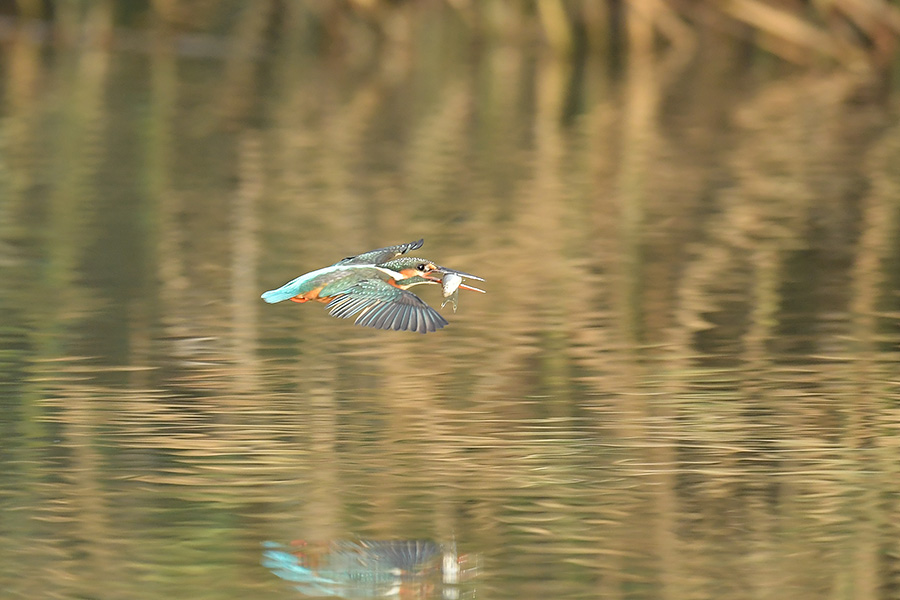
{"points": [[463, 286], [445, 270]]}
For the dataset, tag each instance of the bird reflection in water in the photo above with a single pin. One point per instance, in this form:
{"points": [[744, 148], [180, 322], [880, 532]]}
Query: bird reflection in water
{"points": [[372, 568]]}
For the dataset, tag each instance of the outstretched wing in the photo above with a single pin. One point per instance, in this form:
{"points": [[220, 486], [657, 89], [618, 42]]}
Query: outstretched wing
{"points": [[381, 255], [383, 306]]}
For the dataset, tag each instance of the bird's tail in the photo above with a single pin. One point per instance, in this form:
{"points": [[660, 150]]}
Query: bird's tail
{"points": [[283, 293], [291, 288]]}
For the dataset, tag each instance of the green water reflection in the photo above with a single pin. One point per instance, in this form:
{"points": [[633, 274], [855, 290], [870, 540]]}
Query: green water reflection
{"points": [[682, 382]]}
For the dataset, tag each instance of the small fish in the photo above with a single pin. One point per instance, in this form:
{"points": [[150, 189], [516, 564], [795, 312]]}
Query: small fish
{"points": [[450, 285]]}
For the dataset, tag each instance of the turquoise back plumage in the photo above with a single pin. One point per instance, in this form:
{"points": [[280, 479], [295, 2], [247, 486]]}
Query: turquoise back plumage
{"points": [[333, 280]]}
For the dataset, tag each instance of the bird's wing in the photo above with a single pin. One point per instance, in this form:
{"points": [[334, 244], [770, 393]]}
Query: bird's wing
{"points": [[381, 255], [383, 306]]}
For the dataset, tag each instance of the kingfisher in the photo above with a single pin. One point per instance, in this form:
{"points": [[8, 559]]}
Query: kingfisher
{"points": [[375, 285]]}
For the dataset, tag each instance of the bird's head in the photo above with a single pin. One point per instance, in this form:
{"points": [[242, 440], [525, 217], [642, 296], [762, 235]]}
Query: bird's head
{"points": [[421, 270], [410, 266]]}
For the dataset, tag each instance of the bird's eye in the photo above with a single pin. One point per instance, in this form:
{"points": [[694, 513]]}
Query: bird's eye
{"points": [[421, 266]]}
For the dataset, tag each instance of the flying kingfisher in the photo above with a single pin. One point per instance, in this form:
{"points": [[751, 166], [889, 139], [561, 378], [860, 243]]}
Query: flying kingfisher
{"points": [[375, 285]]}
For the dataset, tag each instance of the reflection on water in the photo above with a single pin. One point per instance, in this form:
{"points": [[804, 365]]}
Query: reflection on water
{"points": [[371, 568], [682, 382]]}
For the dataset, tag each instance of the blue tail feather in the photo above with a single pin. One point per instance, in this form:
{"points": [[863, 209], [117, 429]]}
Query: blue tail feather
{"points": [[273, 296], [288, 290]]}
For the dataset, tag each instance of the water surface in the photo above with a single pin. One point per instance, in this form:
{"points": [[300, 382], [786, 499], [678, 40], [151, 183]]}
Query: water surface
{"points": [[682, 382]]}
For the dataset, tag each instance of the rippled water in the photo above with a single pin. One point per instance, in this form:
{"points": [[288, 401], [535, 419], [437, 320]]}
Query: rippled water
{"points": [[682, 382]]}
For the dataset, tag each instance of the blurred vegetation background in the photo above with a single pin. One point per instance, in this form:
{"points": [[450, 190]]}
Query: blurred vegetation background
{"points": [[856, 34]]}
